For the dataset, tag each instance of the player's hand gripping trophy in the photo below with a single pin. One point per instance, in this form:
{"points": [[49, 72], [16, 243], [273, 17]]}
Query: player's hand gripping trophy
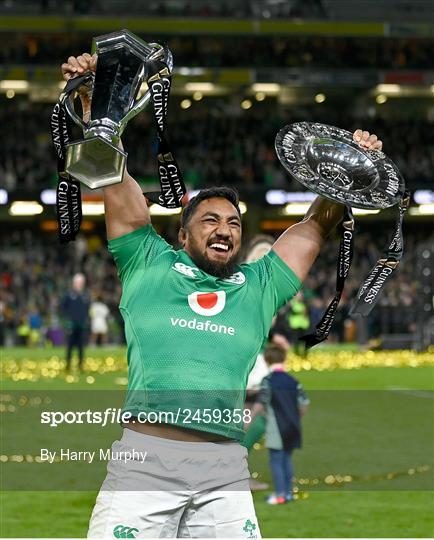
{"points": [[109, 84], [352, 170], [76, 66]]}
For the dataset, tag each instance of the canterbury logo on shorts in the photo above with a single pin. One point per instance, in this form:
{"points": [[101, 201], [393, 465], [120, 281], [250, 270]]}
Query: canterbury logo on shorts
{"points": [[207, 304], [121, 531]]}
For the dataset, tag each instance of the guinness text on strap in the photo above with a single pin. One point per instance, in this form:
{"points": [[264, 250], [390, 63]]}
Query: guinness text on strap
{"points": [[371, 288], [68, 194], [169, 173], [346, 250], [69, 212]]}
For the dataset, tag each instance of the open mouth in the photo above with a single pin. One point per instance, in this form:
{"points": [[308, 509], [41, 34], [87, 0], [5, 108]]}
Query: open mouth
{"points": [[220, 247]]}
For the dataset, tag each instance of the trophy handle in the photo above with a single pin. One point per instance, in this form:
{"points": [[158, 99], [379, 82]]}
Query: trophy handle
{"points": [[69, 105], [140, 104]]}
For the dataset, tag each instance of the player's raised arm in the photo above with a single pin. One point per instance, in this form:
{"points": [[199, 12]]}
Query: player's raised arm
{"points": [[300, 245], [125, 206]]}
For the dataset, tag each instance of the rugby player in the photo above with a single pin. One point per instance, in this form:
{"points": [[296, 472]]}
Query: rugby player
{"points": [[195, 322]]}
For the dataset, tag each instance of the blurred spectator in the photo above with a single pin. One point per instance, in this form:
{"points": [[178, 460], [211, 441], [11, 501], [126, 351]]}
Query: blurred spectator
{"points": [[23, 332], [99, 313], [235, 51], [75, 311], [33, 279], [2, 322], [236, 9], [216, 144]]}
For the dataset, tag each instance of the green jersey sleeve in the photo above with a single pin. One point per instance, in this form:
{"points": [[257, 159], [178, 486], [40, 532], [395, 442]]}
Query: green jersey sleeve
{"points": [[138, 248], [277, 284]]}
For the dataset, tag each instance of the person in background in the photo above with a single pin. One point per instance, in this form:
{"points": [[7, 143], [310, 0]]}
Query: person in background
{"points": [[298, 320], [75, 311], [259, 246], [35, 323], [99, 313], [292, 322], [284, 401], [23, 331], [2, 322]]}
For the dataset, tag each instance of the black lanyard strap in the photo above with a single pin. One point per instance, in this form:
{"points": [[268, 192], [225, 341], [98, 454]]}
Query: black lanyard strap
{"points": [[170, 176], [68, 193], [346, 250], [377, 278], [69, 212]]}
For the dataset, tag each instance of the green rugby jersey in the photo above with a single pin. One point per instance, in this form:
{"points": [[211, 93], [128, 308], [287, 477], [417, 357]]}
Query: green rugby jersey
{"points": [[193, 338]]}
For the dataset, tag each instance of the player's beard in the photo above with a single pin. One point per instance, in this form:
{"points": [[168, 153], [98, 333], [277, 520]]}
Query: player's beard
{"points": [[214, 268]]}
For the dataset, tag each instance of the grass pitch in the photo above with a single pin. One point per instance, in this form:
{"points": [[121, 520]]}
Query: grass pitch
{"points": [[365, 469]]}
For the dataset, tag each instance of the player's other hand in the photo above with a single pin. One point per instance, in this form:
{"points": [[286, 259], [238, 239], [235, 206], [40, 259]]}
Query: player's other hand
{"points": [[78, 65], [367, 140], [74, 67]]}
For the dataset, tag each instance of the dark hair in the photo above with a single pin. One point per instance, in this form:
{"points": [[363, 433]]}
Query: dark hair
{"points": [[227, 193], [274, 354]]}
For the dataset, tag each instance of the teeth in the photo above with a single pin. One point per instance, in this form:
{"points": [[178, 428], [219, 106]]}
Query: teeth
{"points": [[220, 246]]}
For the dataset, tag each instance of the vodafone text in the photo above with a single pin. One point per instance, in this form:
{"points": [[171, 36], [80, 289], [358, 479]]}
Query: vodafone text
{"points": [[206, 326]]}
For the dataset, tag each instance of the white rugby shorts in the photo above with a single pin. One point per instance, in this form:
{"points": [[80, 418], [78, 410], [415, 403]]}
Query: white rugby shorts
{"points": [[174, 489]]}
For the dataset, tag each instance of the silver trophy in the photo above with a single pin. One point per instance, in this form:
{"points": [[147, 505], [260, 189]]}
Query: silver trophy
{"points": [[122, 67], [329, 162]]}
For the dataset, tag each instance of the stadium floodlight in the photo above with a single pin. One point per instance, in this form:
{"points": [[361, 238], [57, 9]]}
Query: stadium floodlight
{"points": [[296, 209], [48, 196], [388, 89], [187, 71], [364, 211], [300, 208], [380, 99], [423, 196], [93, 208], [276, 196], [25, 208], [243, 207], [200, 87], [266, 88], [422, 210], [157, 210], [280, 196], [15, 85], [246, 104], [3, 196]]}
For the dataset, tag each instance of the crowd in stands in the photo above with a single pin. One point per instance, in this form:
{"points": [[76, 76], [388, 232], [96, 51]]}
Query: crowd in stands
{"points": [[215, 141], [236, 51], [241, 9], [36, 272], [390, 10]]}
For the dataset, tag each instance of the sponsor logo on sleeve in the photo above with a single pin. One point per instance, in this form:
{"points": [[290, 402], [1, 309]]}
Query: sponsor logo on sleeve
{"points": [[237, 279], [185, 270]]}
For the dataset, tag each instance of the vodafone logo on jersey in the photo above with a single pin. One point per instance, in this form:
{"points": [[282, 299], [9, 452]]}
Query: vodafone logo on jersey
{"points": [[207, 303]]}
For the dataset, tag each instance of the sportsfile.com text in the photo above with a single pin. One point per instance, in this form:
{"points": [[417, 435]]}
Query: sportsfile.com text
{"points": [[115, 416]]}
